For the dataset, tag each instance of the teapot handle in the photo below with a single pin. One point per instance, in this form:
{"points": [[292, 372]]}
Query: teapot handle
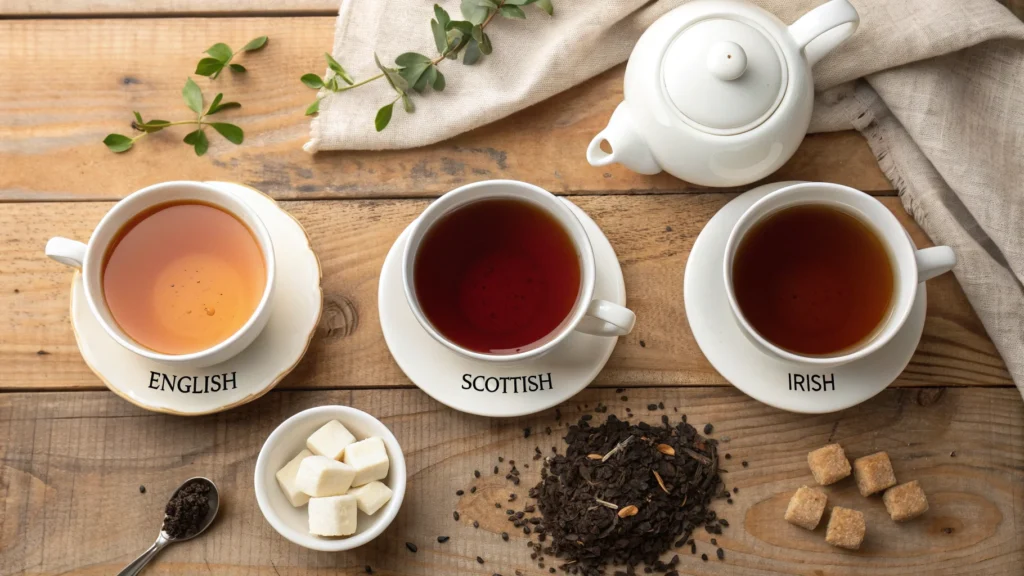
{"points": [[823, 29]]}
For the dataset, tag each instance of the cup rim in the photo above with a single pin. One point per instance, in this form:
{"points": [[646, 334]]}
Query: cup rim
{"points": [[907, 276], [118, 215], [381, 520], [448, 202]]}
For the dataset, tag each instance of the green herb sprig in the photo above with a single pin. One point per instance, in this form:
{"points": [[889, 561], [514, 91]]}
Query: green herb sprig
{"points": [[221, 56], [193, 97], [415, 72]]}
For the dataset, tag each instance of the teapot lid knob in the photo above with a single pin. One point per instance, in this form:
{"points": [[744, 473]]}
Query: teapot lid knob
{"points": [[727, 60]]}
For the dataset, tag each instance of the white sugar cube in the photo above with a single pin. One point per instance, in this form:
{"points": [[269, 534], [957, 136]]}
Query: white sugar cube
{"points": [[320, 476], [332, 516], [370, 497], [286, 479], [330, 440], [369, 458]]}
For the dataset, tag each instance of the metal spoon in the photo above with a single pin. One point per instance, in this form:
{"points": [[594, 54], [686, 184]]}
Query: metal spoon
{"points": [[164, 539]]}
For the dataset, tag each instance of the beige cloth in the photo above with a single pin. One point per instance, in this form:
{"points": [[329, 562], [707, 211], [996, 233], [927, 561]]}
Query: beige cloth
{"points": [[940, 99]]}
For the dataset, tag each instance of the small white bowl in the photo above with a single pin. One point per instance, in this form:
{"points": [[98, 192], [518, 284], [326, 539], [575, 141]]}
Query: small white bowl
{"points": [[287, 441]]}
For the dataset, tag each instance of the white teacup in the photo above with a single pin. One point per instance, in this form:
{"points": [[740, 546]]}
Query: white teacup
{"points": [[910, 265], [89, 259], [588, 315]]}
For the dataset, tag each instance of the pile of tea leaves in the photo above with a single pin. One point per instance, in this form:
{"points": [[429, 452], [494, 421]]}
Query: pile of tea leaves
{"points": [[623, 494]]}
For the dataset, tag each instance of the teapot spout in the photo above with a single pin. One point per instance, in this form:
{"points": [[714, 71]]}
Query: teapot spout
{"points": [[628, 147]]}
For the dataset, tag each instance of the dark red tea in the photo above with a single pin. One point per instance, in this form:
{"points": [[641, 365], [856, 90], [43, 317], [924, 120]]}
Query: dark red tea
{"points": [[813, 280], [496, 275]]}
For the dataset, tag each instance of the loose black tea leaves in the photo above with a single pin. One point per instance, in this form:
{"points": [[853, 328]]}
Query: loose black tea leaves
{"points": [[187, 510], [623, 494]]}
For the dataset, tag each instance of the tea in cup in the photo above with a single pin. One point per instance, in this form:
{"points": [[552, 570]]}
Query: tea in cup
{"points": [[504, 271], [180, 272], [824, 274]]}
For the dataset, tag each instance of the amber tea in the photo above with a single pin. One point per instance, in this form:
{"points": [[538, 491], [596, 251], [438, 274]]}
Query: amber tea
{"points": [[182, 277], [813, 279]]}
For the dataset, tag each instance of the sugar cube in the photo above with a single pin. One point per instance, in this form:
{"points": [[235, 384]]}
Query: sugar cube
{"points": [[806, 507], [370, 497], [321, 476], [330, 440], [846, 528], [828, 464], [332, 516], [905, 501], [286, 479], [873, 473], [369, 458]]}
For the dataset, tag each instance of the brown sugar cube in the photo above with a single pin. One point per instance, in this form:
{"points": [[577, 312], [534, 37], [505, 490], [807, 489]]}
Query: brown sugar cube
{"points": [[846, 528], [828, 464], [873, 473], [806, 507], [905, 501]]}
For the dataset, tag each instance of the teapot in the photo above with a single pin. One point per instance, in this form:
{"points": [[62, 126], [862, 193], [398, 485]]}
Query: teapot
{"points": [[719, 92]]}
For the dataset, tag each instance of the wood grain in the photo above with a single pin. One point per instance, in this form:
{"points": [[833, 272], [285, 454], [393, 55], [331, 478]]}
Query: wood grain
{"points": [[50, 135], [652, 235], [72, 464], [142, 8]]}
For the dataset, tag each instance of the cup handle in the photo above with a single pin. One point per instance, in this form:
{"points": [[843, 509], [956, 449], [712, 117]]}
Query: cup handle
{"points": [[607, 319], [934, 261], [65, 251]]}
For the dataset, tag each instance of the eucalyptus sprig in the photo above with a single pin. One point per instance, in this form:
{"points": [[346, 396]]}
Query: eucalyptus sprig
{"points": [[417, 71], [193, 97], [221, 56]]}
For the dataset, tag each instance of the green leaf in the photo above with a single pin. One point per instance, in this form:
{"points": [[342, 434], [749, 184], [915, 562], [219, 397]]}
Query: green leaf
{"points": [[118, 143], [440, 39], [154, 126], [237, 68], [383, 117], [313, 81], [487, 3], [473, 12], [217, 106], [334, 65], [313, 108], [407, 104], [221, 52], [231, 132], [414, 73], [410, 58], [471, 54], [439, 81], [255, 44], [392, 76], [512, 11], [519, 2], [216, 101], [138, 118], [209, 67], [546, 6], [197, 138], [462, 26], [193, 96], [441, 16], [477, 33], [423, 81], [485, 44]]}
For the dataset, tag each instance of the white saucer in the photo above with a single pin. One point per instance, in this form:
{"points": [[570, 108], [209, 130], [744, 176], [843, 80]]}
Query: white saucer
{"points": [[766, 378], [448, 377], [296, 311]]}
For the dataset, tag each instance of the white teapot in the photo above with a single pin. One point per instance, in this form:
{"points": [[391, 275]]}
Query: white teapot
{"points": [[719, 92]]}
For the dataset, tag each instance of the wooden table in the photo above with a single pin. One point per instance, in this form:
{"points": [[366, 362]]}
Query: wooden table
{"points": [[74, 455]]}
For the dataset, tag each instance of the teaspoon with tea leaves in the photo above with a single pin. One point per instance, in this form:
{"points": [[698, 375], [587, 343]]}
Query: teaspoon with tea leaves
{"points": [[188, 513]]}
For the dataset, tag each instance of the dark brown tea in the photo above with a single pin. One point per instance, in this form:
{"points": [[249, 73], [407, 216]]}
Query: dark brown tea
{"points": [[813, 280], [496, 275]]}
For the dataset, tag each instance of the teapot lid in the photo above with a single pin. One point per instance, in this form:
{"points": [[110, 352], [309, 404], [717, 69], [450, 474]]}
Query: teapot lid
{"points": [[725, 76]]}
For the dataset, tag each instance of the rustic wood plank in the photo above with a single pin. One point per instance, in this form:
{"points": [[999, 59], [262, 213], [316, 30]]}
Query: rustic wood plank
{"points": [[51, 136], [137, 8], [37, 348], [72, 464]]}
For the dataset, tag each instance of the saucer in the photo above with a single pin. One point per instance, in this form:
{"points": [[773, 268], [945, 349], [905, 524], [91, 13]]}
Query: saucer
{"points": [[296, 305], [773, 381], [498, 389]]}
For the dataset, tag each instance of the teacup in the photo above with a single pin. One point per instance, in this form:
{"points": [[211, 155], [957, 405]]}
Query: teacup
{"points": [[89, 258], [586, 314], [910, 266]]}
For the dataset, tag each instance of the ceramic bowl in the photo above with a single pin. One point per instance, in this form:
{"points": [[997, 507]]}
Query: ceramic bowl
{"points": [[288, 440]]}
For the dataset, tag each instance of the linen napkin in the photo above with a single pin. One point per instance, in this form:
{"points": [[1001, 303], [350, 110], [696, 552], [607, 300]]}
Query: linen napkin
{"points": [[936, 86]]}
